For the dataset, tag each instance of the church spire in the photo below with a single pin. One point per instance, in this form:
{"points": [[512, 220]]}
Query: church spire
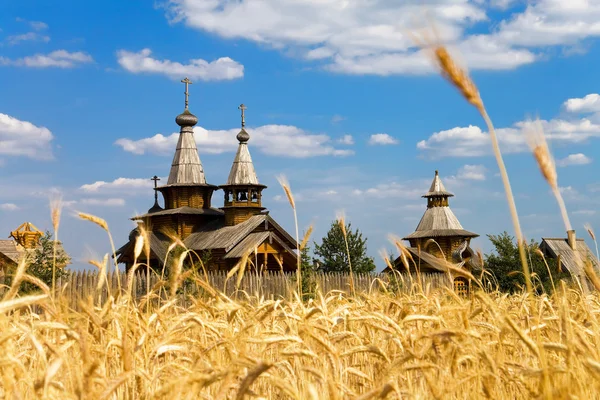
{"points": [[186, 168], [437, 196], [242, 171], [243, 195]]}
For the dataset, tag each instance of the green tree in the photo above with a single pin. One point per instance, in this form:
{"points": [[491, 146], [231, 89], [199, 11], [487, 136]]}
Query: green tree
{"points": [[41, 261], [504, 263], [334, 255]]}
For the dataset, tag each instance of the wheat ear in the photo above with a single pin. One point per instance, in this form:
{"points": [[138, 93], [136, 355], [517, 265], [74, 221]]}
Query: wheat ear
{"points": [[460, 79]]}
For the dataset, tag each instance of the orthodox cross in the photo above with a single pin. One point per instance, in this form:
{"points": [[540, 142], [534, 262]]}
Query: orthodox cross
{"points": [[187, 92], [243, 108], [155, 179]]}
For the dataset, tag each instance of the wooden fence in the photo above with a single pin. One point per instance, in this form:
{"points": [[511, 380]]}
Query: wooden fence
{"points": [[272, 285]]}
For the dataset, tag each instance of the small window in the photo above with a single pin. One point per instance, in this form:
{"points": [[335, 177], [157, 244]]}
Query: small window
{"points": [[228, 196], [254, 196], [461, 287]]}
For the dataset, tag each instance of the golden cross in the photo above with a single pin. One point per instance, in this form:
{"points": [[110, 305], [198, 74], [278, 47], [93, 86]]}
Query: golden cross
{"points": [[187, 92], [243, 108], [155, 179]]}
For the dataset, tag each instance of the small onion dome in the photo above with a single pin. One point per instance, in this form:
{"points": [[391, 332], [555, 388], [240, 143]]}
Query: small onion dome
{"points": [[186, 118], [134, 234], [155, 208], [243, 136]]}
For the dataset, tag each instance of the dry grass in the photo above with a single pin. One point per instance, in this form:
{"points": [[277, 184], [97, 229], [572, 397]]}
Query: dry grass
{"points": [[335, 347]]}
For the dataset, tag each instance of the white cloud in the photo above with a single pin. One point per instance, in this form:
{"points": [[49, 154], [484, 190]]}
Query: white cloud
{"points": [[337, 118], [587, 104], [551, 23], [503, 4], [471, 141], [393, 190], [8, 207], [27, 37], [569, 192], [275, 140], [22, 138], [141, 62], [346, 139], [472, 172], [584, 212], [57, 58], [382, 139], [372, 37], [120, 185], [574, 159], [112, 202], [35, 25]]}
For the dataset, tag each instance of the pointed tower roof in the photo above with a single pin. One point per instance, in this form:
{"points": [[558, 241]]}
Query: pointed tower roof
{"points": [[186, 168], [242, 171], [437, 188], [438, 220]]}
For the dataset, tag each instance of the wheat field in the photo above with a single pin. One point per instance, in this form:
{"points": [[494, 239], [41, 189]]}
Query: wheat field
{"points": [[335, 346]]}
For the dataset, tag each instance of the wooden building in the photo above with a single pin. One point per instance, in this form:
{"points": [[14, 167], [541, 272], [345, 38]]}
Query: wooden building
{"points": [[23, 241], [241, 227], [439, 238], [569, 254]]}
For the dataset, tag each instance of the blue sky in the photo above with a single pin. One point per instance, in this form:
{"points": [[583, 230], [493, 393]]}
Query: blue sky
{"points": [[339, 100]]}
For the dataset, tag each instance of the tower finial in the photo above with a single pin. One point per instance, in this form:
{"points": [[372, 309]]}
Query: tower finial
{"points": [[155, 179], [187, 92], [436, 172], [243, 108], [243, 136]]}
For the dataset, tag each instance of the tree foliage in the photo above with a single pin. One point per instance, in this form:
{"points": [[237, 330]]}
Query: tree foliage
{"points": [[505, 264], [334, 255], [40, 263]]}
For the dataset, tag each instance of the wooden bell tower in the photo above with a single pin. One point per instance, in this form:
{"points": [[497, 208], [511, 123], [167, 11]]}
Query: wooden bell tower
{"points": [[243, 192]]}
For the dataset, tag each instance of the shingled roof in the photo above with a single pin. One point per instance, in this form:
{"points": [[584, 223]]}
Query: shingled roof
{"points": [[437, 188], [439, 220], [242, 171], [216, 235], [9, 248], [555, 247], [234, 240]]}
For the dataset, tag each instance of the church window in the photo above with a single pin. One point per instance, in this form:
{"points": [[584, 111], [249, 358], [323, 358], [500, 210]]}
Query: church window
{"points": [[461, 287]]}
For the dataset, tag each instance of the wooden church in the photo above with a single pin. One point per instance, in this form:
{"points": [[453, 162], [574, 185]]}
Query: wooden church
{"points": [[242, 227], [439, 238]]}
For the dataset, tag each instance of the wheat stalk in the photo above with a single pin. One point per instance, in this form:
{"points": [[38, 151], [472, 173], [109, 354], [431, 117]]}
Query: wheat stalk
{"points": [[102, 224], [534, 133], [55, 211], [590, 232], [341, 220], [461, 80], [288, 192]]}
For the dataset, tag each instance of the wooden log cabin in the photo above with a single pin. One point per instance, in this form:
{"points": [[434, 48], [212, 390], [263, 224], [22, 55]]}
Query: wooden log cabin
{"points": [[439, 239], [242, 227], [22, 243]]}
